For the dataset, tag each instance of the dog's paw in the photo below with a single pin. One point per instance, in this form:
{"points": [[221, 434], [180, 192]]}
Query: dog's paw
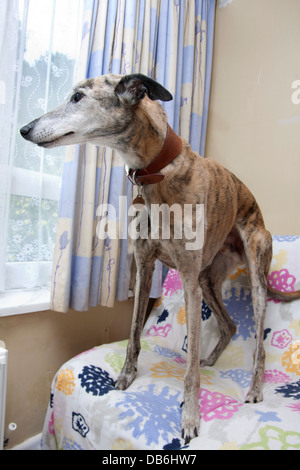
{"points": [[124, 380], [254, 396], [190, 424], [208, 362]]}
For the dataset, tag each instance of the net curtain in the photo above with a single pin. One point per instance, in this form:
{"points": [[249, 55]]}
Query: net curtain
{"points": [[172, 42]]}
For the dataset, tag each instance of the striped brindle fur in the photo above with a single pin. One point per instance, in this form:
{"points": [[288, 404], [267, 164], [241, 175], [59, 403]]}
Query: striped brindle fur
{"points": [[123, 112]]}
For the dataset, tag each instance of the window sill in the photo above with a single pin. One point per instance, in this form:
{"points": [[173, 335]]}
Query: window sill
{"points": [[24, 301]]}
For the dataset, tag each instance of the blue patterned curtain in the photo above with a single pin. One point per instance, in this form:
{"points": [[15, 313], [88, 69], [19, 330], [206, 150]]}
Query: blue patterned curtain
{"points": [[172, 42]]}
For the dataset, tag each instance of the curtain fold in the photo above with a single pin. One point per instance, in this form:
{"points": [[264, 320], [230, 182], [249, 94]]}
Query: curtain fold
{"points": [[170, 41], [36, 70], [9, 56]]}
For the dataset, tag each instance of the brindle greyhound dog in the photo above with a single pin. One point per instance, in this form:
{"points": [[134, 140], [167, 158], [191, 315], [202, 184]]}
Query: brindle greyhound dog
{"points": [[122, 112]]}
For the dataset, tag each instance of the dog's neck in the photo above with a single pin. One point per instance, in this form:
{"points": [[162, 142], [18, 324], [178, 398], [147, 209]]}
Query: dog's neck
{"points": [[145, 135], [151, 174]]}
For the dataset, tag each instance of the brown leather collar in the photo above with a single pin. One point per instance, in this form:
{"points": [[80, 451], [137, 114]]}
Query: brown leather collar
{"points": [[151, 174]]}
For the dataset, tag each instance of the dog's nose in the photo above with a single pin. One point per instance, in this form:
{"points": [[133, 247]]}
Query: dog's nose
{"points": [[26, 130]]}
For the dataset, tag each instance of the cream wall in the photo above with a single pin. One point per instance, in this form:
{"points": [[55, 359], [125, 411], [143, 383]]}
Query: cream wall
{"points": [[253, 126], [38, 344]]}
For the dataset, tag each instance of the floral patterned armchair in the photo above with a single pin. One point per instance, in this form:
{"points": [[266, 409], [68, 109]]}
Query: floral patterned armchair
{"points": [[86, 412]]}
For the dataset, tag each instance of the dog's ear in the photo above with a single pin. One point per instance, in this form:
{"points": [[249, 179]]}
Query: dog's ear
{"points": [[133, 88]]}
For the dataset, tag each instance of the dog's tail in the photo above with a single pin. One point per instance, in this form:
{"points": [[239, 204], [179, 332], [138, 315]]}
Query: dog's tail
{"points": [[283, 296]]}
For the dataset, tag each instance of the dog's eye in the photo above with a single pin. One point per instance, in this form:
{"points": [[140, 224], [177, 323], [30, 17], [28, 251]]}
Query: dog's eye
{"points": [[77, 97]]}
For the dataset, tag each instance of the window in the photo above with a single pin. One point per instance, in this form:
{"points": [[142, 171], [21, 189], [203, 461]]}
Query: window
{"points": [[39, 49]]}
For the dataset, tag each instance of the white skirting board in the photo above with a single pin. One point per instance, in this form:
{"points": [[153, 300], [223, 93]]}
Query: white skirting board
{"points": [[33, 443]]}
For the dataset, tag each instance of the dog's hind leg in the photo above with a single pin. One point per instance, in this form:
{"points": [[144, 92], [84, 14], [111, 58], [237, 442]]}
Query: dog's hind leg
{"points": [[145, 268], [258, 254], [211, 281]]}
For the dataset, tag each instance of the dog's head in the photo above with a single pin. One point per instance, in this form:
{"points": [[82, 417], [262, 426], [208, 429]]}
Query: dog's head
{"points": [[97, 111]]}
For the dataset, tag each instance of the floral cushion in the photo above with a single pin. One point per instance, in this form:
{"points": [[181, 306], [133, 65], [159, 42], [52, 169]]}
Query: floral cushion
{"points": [[87, 412]]}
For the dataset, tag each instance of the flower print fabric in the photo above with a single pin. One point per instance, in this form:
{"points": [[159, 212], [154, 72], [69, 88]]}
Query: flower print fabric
{"points": [[281, 339], [96, 380], [86, 411]]}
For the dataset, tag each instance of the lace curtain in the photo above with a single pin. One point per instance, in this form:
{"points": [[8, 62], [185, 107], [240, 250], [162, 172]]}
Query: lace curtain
{"points": [[39, 48], [172, 42]]}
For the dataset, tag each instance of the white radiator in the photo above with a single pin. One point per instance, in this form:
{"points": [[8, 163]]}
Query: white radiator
{"points": [[3, 375]]}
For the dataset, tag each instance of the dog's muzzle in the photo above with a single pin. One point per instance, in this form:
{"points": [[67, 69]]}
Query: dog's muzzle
{"points": [[26, 130]]}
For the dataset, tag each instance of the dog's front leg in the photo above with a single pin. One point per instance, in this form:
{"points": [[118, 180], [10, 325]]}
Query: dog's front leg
{"points": [[190, 420], [145, 268]]}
